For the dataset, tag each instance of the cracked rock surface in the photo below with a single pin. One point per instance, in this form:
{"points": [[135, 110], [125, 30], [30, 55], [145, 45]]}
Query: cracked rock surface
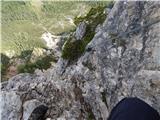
{"points": [[114, 68]]}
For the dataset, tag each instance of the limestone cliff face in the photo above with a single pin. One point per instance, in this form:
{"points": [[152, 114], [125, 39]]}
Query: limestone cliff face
{"points": [[123, 60]]}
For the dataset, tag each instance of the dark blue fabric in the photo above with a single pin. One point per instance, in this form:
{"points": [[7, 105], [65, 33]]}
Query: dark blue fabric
{"points": [[133, 109]]}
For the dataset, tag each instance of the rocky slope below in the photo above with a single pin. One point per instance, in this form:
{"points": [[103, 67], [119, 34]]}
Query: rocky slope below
{"points": [[122, 60]]}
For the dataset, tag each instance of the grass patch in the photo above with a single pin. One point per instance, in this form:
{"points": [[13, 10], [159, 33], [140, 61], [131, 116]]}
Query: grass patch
{"points": [[17, 10]]}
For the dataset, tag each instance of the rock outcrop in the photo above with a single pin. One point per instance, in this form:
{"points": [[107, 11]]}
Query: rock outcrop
{"points": [[80, 31], [123, 61]]}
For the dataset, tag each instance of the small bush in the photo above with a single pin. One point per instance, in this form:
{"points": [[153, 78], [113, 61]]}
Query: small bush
{"points": [[26, 54], [72, 50], [26, 68], [43, 63], [17, 10]]}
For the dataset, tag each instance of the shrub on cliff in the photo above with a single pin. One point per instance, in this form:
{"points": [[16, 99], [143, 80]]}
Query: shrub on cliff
{"points": [[43, 63], [74, 48], [4, 64]]}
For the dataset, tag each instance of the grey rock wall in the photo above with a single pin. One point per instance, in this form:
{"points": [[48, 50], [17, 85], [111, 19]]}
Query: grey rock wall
{"points": [[123, 62]]}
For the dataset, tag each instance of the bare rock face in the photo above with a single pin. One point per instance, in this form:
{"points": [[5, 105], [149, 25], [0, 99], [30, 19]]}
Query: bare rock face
{"points": [[11, 104], [80, 31], [123, 61]]}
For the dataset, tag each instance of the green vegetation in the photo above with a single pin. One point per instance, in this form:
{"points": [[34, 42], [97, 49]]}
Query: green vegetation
{"points": [[19, 32], [95, 16], [4, 64], [43, 63], [26, 54], [72, 49], [17, 10], [23, 22]]}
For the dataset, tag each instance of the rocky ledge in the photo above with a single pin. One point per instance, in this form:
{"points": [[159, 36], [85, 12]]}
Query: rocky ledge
{"points": [[122, 60]]}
